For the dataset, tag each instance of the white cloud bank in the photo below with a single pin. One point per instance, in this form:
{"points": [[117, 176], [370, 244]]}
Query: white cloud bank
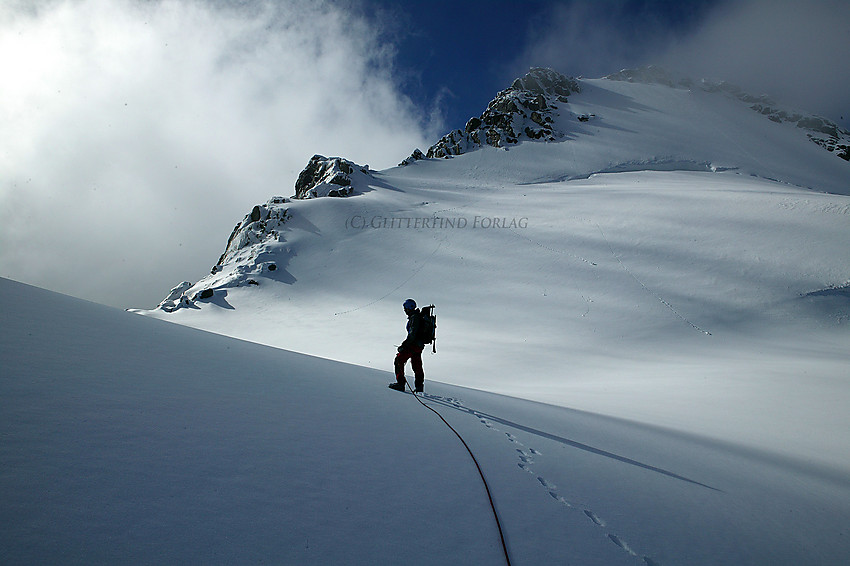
{"points": [[793, 50], [136, 134]]}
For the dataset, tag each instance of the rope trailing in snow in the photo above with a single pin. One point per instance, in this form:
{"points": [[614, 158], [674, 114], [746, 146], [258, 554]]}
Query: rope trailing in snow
{"points": [[480, 473]]}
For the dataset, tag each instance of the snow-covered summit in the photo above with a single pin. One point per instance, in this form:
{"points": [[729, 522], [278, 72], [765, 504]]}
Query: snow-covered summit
{"points": [[540, 107]]}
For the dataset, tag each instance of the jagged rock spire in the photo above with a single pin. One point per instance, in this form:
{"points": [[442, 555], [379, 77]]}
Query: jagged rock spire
{"points": [[525, 110]]}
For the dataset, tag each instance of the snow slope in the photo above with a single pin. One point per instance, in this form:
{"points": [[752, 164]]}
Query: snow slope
{"points": [[677, 259], [127, 440]]}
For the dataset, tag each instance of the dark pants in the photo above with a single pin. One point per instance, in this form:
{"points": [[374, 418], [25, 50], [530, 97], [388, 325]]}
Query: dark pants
{"points": [[414, 354]]}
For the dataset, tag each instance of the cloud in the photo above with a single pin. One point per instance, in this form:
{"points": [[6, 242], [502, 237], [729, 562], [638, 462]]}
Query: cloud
{"points": [[136, 134], [790, 49], [594, 39], [794, 51]]}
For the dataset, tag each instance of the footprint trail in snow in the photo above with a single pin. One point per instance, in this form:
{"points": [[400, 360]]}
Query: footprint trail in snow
{"points": [[525, 457]]}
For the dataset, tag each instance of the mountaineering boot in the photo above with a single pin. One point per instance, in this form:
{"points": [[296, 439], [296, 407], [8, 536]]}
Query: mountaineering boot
{"points": [[419, 389], [397, 386]]}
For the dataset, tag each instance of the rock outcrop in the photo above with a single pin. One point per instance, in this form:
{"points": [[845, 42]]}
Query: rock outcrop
{"points": [[264, 222], [328, 177], [527, 110]]}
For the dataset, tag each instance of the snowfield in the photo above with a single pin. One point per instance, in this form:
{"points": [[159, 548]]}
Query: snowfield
{"points": [[643, 336], [128, 440], [676, 298]]}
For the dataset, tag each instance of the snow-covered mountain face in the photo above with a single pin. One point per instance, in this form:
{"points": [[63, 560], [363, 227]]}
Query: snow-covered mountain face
{"points": [[536, 107], [622, 244], [821, 131]]}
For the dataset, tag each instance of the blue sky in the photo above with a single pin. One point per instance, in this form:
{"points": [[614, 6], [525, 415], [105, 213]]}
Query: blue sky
{"points": [[452, 57], [136, 133], [456, 55]]}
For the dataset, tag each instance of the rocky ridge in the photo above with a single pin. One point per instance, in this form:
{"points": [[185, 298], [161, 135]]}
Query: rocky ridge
{"points": [[528, 110], [257, 245]]}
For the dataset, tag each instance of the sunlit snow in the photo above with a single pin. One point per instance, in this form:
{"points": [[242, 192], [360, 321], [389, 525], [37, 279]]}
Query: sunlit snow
{"points": [[643, 336]]}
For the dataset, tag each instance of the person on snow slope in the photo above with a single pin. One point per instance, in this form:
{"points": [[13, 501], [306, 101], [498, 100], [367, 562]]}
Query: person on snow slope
{"points": [[410, 349]]}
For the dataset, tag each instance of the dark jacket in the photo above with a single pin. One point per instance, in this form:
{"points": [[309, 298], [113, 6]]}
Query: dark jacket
{"points": [[414, 322]]}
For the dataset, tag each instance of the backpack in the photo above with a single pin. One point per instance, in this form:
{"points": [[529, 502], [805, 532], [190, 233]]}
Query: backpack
{"points": [[428, 327]]}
